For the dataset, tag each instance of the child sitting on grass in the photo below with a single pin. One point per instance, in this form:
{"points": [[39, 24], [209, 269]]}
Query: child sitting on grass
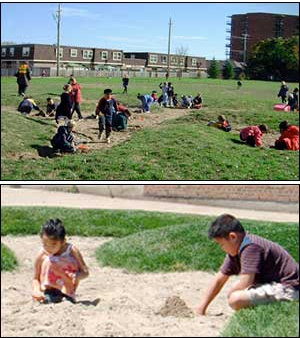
{"points": [[253, 135], [51, 107], [222, 123], [268, 273], [59, 266]]}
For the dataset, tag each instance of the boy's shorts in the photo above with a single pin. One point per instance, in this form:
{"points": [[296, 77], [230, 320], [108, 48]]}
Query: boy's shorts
{"points": [[269, 293]]}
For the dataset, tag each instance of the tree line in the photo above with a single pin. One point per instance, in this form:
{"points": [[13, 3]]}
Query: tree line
{"points": [[272, 59]]}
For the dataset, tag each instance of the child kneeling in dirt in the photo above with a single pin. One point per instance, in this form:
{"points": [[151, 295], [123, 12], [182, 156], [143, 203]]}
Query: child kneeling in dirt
{"points": [[120, 120], [222, 123], [59, 267], [268, 273], [253, 135], [27, 105], [63, 140]]}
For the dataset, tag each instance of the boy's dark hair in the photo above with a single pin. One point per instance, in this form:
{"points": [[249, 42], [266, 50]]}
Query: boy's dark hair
{"points": [[223, 225], [107, 91], [48, 99], [284, 125], [54, 229], [263, 128]]}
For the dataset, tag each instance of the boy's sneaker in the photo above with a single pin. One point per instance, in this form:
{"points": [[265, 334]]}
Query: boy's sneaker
{"points": [[108, 140]]}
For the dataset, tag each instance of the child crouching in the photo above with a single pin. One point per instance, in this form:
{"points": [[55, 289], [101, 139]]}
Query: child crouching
{"points": [[59, 267]]}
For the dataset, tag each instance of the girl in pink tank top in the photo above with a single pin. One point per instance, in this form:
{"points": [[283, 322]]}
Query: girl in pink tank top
{"points": [[59, 266]]}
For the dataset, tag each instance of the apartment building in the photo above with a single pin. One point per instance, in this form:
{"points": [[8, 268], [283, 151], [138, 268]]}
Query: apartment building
{"points": [[39, 55], [159, 61], [246, 30]]}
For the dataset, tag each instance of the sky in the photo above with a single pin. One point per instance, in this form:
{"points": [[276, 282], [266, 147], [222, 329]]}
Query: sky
{"points": [[200, 28]]}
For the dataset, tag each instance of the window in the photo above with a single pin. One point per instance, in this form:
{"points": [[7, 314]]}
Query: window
{"points": [[182, 61], [104, 55], [153, 58], [164, 59], [87, 54], [194, 62], [117, 56], [25, 51], [11, 51], [73, 53], [61, 52], [3, 52], [132, 56], [174, 60]]}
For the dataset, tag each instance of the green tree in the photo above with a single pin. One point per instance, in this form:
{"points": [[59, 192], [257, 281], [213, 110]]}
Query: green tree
{"points": [[276, 59], [214, 70], [228, 72]]}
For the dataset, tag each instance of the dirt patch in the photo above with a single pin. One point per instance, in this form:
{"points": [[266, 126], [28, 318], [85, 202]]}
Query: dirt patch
{"points": [[87, 130], [110, 303], [175, 307]]}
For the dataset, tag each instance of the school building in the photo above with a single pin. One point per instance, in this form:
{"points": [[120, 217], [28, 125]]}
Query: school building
{"points": [[246, 30]]}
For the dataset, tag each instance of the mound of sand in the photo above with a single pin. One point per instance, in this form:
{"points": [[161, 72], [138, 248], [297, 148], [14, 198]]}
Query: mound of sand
{"points": [[176, 307]]}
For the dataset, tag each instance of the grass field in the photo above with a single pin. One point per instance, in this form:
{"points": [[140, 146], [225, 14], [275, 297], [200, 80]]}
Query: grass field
{"points": [[181, 148], [151, 241]]}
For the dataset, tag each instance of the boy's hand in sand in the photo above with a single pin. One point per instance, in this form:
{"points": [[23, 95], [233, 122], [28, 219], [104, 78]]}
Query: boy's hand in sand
{"points": [[200, 311]]}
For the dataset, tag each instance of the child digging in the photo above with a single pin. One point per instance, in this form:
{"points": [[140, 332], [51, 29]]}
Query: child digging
{"points": [[268, 273], [59, 267]]}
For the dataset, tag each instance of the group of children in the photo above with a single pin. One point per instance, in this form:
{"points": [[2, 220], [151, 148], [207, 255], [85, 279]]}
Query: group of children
{"points": [[267, 272], [169, 98], [114, 116], [291, 99]]}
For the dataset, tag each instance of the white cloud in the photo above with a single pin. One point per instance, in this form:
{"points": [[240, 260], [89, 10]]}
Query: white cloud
{"points": [[79, 12]]}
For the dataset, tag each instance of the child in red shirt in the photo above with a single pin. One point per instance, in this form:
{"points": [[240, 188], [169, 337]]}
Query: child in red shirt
{"points": [[253, 135], [289, 138], [76, 97]]}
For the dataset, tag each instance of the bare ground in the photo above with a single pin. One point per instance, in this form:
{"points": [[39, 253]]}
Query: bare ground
{"points": [[110, 303]]}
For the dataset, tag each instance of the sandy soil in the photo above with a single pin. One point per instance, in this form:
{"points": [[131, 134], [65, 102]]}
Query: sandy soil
{"points": [[110, 303]]}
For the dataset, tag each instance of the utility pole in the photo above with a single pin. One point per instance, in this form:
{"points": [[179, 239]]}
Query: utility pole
{"points": [[58, 15], [169, 47]]}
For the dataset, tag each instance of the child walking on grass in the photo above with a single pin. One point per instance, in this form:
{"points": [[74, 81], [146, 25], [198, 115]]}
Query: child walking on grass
{"points": [[59, 267], [268, 273]]}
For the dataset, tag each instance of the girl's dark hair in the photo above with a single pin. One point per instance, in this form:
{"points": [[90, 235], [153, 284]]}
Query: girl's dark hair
{"points": [[54, 229], [223, 225]]}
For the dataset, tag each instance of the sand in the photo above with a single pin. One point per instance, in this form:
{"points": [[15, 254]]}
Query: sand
{"points": [[110, 303]]}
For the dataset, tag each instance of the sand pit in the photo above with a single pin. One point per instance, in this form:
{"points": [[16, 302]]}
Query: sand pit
{"points": [[110, 303]]}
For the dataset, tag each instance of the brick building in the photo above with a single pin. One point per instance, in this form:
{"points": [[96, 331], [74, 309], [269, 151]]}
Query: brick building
{"points": [[246, 30], [159, 61], [267, 193], [194, 193], [39, 56], [42, 56]]}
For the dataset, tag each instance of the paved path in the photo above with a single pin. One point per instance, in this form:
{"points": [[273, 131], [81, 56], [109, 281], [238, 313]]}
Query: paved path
{"points": [[30, 197]]}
